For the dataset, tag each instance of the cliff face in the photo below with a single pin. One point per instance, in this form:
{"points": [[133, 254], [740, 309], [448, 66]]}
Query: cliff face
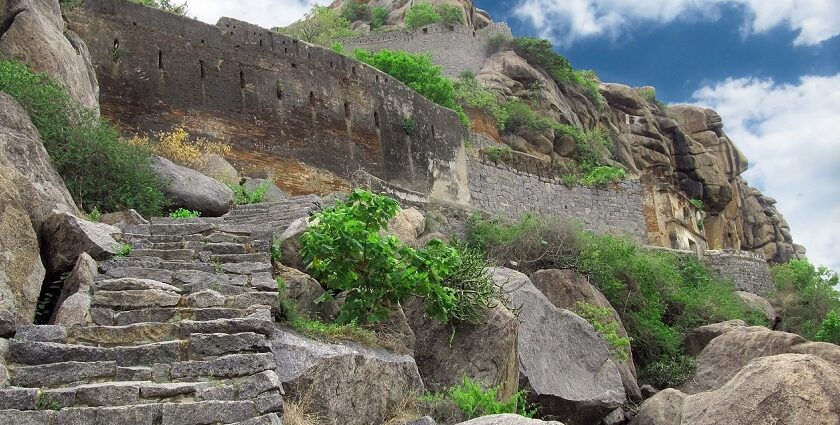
{"points": [[685, 144]]}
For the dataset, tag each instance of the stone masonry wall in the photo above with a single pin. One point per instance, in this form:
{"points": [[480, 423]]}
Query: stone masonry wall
{"points": [[507, 192], [306, 115], [455, 47], [748, 271]]}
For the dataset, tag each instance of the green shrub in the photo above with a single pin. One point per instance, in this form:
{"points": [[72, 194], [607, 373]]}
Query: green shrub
{"points": [[498, 153], [409, 125], [649, 94], [379, 17], [125, 250], [450, 14], [602, 320], [94, 215], [420, 15], [697, 204], [184, 213], [165, 5], [499, 42], [354, 10], [603, 175], [669, 372], [417, 72], [322, 25], [243, 196], [806, 295], [520, 117], [540, 52], [830, 329], [100, 170], [469, 93], [475, 401]]}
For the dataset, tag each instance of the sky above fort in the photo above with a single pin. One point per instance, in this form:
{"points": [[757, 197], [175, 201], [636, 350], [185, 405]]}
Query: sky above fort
{"points": [[771, 68]]}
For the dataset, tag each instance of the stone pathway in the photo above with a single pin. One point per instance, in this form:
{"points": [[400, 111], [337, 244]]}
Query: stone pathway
{"points": [[179, 334]]}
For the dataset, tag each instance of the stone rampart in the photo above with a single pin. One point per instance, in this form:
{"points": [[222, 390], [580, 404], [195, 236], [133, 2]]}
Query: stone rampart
{"points": [[749, 271]]}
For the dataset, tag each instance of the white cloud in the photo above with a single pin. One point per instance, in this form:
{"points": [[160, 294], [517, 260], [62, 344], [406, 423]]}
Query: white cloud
{"points": [[791, 134], [265, 13], [565, 21]]}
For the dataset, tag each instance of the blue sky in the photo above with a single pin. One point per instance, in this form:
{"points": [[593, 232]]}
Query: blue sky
{"points": [[771, 68]]}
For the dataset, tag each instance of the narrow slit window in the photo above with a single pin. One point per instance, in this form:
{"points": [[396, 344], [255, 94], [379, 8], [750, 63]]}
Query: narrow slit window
{"points": [[376, 119], [203, 72], [346, 109], [279, 88], [312, 97], [160, 59], [242, 79], [354, 70]]}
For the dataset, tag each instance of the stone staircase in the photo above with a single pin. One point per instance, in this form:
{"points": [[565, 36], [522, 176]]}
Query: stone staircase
{"points": [[179, 332]]}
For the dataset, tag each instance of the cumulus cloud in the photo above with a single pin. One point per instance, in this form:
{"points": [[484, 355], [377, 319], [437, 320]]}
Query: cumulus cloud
{"points": [[265, 13], [791, 134], [565, 21]]}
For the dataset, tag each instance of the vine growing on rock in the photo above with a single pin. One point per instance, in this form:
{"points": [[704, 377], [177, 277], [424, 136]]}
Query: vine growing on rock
{"points": [[99, 168]]}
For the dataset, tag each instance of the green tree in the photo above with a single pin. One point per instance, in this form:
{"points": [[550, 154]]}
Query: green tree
{"points": [[354, 10], [806, 295], [322, 25], [450, 14], [421, 14], [418, 72], [379, 17], [830, 329]]}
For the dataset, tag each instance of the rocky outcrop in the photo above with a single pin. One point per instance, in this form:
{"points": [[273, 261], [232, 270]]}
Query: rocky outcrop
{"points": [[73, 305], [66, 237], [34, 33], [783, 389], [756, 302], [563, 364], [41, 188], [407, 225], [566, 288], [304, 291], [187, 188], [765, 231], [342, 383], [699, 337], [272, 192], [727, 354], [21, 270], [486, 352]]}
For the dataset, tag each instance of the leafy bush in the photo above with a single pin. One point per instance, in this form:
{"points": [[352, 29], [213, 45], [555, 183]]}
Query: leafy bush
{"points": [[177, 146], [322, 25], [379, 17], [668, 372], [602, 320], [450, 14], [409, 125], [520, 117], [100, 170], [243, 196], [125, 250], [469, 93], [697, 204], [806, 295], [499, 42], [417, 72], [420, 15], [498, 153], [94, 215], [165, 5], [603, 175], [830, 329], [354, 10], [475, 401], [540, 52], [649, 94], [184, 213]]}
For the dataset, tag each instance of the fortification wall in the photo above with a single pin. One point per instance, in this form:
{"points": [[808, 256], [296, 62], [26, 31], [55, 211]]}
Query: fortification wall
{"points": [[454, 47], [304, 114], [507, 192], [749, 271]]}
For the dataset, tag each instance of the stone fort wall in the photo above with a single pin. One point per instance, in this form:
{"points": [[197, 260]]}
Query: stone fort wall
{"points": [[304, 114], [455, 47], [749, 271]]}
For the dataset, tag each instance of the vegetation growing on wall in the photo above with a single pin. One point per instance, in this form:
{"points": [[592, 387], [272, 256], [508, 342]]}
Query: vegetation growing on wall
{"points": [[379, 18], [100, 169], [418, 72], [806, 297], [659, 296], [354, 10], [322, 25], [421, 14]]}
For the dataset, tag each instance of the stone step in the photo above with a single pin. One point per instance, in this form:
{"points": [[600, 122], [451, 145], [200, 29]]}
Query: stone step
{"points": [[134, 334], [254, 324], [229, 366], [135, 299], [203, 346], [181, 229], [165, 254], [44, 353], [57, 374], [108, 317], [117, 270], [261, 257], [193, 220], [133, 284]]}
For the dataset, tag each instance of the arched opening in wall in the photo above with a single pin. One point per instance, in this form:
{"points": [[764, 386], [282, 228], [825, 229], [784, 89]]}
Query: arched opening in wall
{"points": [[279, 88], [203, 73], [241, 79], [354, 70], [260, 42], [160, 59], [116, 44], [294, 65], [377, 78], [376, 118], [331, 64], [312, 98], [346, 109], [425, 30], [285, 50], [434, 133]]}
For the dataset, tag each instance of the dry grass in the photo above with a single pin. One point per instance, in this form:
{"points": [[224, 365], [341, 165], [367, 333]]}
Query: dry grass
{"points": [[294, 413], [177, 146]]}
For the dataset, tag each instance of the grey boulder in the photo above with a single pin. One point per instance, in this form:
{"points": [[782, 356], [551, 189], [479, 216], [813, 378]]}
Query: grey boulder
{"points": [[272, 192], [564, 365], [507, 419], [190, 189], [344, 384], [66, 236], [73, 306]]}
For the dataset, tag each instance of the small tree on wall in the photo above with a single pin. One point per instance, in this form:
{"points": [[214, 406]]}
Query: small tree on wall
{"points": [[421, 14]]}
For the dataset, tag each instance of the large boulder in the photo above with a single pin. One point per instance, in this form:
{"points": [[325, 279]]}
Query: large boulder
{"points": [[21, 270], [344, 384], [289, 242], [759, 303], [215, 166], [699, 337], [272, 192], [190, 189], [485, 352], [35, 34], [780, 389], [407, 225], [41, 188], [563, 364], [304, 291], [727, 354], [507, 419], [66, 236], [566, 288]]}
